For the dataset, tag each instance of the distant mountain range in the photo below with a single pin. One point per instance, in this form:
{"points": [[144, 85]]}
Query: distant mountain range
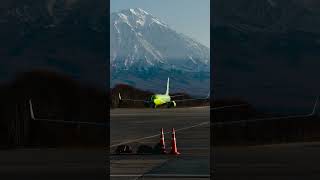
{"points": [[145, 51]]}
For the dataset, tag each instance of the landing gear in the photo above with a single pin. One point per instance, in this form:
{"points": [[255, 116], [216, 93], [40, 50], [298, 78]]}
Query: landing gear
{"points": [[153, 105]]}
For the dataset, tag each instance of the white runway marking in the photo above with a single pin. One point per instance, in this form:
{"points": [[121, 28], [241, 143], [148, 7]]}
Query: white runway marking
{"points": [[262, 119], [156, 135]]}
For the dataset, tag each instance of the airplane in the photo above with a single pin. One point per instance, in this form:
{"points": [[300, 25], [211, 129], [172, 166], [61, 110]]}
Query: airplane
{"points": [[157, 100]]}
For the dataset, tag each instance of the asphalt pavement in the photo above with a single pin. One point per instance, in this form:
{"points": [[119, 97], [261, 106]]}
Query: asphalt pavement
{"points": [[136, 127]]}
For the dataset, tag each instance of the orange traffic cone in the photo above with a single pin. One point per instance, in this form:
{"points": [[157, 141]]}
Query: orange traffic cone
{"points": [[174, 149], [162, 143]]}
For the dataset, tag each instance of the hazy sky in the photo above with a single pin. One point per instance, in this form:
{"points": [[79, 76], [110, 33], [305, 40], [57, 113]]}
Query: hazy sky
{"points": [[190, 17]]}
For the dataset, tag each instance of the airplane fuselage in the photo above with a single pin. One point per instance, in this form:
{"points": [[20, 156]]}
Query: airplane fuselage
{"points": [[161, 99]]}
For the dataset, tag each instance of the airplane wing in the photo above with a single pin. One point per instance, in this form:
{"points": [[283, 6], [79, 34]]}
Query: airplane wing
{"points": [[133, 100], [311, 114], [183, 100], [34, 118], [192, 99], [177, 95]]}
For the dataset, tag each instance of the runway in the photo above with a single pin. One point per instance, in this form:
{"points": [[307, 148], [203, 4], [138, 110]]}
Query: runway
{"points": [[142, 126]]}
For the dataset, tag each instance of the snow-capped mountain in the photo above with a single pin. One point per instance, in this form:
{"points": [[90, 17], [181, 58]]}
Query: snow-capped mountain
{"points": [[140, 40], [145, 51]]}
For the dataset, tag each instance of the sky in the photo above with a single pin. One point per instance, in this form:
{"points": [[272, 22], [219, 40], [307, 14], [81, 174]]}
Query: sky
{"points": [[190, 17]]}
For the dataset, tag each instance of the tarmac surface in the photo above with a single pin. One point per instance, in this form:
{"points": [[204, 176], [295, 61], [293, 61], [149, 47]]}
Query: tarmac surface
{"points": [[293, 161], [137, 127], [53, 164], [142, 126]]}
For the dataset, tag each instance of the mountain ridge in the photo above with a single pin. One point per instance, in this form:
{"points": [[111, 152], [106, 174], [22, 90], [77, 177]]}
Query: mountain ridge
{"points": [[142, 45]]}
